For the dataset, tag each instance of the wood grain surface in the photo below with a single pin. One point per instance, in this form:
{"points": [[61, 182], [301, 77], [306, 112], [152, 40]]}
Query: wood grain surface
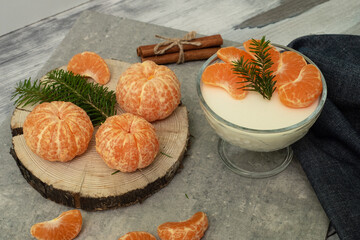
{"points": [[86, 182], [25, 51]]}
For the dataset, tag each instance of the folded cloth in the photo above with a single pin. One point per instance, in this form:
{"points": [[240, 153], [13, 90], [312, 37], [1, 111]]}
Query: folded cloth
{"points": [[330, 152]]}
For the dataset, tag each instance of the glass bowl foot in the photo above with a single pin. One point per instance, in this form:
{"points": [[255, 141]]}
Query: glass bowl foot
{"points": [[253, 164]]}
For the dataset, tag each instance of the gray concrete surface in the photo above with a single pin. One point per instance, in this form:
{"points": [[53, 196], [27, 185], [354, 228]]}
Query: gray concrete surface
{"points": [[281, 207]]}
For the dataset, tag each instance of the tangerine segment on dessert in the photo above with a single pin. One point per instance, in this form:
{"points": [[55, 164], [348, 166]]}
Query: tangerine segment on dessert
{"points": [[91, 65], [274, 53], [127, 142], [304, 90], [65, 227], [137, 235], [290, 65], [222, 75], [149, 90], [191, 229], [232, 54], [58, 131]]}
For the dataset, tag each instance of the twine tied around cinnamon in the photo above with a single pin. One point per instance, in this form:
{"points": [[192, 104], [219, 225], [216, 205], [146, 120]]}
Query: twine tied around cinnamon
{"points": [[176, 41]]}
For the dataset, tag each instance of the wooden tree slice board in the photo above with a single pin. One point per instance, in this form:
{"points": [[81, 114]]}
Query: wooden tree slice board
{"points": [[86, 182]]}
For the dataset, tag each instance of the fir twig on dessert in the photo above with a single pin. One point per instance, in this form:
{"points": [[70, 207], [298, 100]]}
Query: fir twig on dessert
{"points": [[59, 85], [256, 73]]}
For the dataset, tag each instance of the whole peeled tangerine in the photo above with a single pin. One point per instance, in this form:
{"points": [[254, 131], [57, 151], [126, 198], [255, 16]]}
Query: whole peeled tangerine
{"points": [[127, 142], [149, 90], [58, 131]]}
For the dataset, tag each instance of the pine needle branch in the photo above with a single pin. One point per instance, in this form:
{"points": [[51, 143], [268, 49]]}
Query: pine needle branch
{"points": [[256, 73], [59, 85]]}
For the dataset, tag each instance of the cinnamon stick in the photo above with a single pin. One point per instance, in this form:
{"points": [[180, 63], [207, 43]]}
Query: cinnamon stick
{"points": [[206, 42], [190, 55]]}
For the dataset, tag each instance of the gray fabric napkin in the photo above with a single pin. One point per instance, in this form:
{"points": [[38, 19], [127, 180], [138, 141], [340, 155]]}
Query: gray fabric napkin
{"points": [[330, 152]]}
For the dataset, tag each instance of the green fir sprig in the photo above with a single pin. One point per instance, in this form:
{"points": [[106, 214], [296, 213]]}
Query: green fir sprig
{"points": [[256, 72], [59, 85]]}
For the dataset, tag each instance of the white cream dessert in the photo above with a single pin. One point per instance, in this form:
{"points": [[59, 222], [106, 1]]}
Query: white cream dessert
{"points": [[254, 111], [266, 119]]}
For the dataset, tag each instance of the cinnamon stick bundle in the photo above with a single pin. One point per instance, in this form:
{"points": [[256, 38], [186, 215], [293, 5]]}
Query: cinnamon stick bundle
{"points": [[190, 55], [207, 47], [208, 41]]}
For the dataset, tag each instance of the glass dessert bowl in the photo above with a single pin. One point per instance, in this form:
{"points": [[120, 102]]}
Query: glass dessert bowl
{"points": [[252, 151]]}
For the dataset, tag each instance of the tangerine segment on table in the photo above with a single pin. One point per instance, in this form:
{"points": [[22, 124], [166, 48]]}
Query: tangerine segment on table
{"points": [[127, 142], [58, 131], [90, 65], [191, 229], [304, 90], [274, 53], [222, 75], [149, 90], [290, 65], [232, 54], [65, 227], [137, 235]]}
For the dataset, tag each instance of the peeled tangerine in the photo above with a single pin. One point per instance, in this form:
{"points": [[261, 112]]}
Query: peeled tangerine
{"points": [[65, 227], [191, 229], [58, 131], [137, 236], [222, 75], [149, 90], [90, 65], [304, 90], [127, 142]]}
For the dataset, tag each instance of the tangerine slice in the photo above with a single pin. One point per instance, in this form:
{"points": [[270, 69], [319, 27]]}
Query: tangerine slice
{"points": [[222, 75], [304, 90], [127, 142], [149, 90], [137, 236], [232, 54], [290, 65], [65, 227], [274, 53], [91, 65], [191, 229], [58, 131]]}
